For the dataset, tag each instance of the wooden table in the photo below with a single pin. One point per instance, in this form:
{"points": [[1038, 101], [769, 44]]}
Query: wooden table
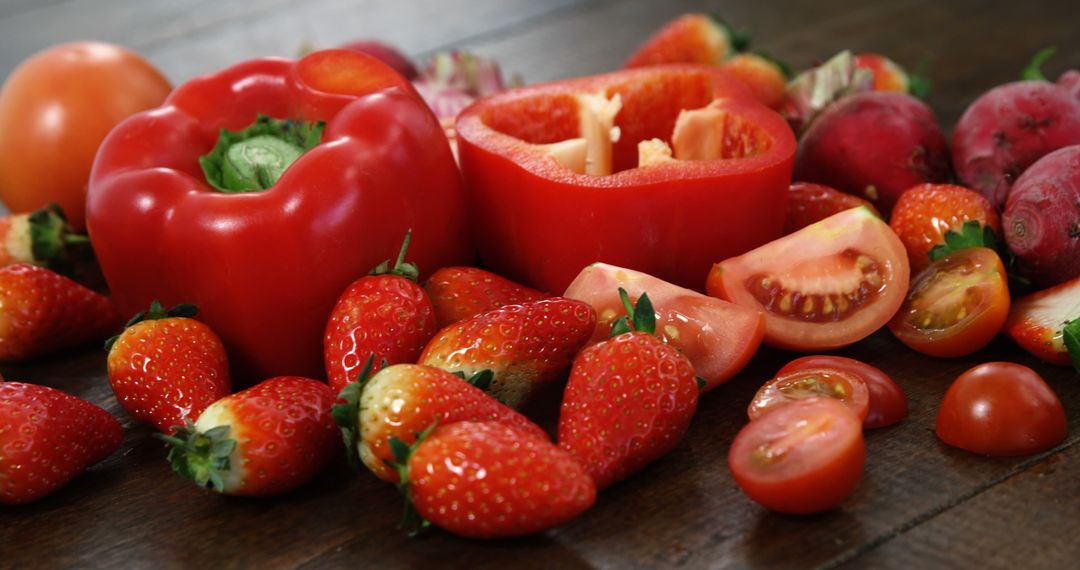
{"points": [[920, 504]]}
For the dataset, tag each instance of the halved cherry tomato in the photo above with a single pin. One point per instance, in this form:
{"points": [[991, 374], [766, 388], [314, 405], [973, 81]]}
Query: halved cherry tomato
{"points": [[820, 382], [718, 337], [888, 403], [801, 458], [827, 285], [956, 305], [1001, 408]]}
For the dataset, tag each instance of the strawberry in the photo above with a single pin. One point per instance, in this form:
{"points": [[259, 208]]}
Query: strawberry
{"points": [[462, 292], [526, 346], [764, 76], [385, 314], [47, 438], [1047, 323], [809, 203], [629, 399], [925, 213], [402, 400], [266, 440], [490, 480], [166, 366], [42, 312], [43, 237], [690, 38]]}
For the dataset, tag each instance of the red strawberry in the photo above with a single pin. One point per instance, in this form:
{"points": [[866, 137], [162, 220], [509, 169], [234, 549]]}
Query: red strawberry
{"points": [[402, 400], [492, 480], [526, 346], [1047, 322], [42, 312], [166, 366], [459, 293], [690, 38], [48, 437], [924, 214], [266, 440], [386, 315], [629, 400], [764, 76], [809, 203], [43, 237]]}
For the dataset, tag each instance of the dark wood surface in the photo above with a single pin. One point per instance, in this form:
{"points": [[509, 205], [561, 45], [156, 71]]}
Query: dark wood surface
{"points": [[920, 504]]}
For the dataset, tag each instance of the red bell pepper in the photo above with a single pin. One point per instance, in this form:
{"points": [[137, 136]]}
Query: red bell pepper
{"points": [[263, 229], [556, 194]]}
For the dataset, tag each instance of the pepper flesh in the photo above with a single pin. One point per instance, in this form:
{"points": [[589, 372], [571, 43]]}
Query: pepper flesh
{"points": [[266, 267]]}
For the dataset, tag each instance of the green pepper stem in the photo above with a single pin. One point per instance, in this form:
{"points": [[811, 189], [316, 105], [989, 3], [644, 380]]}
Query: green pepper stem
{"points": [[254, 159]]}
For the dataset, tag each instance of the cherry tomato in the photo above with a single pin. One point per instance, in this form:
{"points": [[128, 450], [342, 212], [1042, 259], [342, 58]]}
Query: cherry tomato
{"points": [[805, 383], [55, 109], [827, 285], [888, 403], [809, 203], [1001, 408], [956, 305], [801, 458]]}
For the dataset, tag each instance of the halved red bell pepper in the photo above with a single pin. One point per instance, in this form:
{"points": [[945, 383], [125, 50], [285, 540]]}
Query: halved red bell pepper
{"points": [[556, 194], [307, 209]]}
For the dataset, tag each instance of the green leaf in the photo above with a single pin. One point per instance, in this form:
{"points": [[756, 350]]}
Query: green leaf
{"points": [[644, 315], [400, 449], [620, 326], [1071, 335], [1033, 71], [482, 379], [971, 234]]}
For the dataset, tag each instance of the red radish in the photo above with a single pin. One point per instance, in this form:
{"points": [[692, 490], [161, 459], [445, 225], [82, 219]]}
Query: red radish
{"points": [[1042, 218], [1010, 127], [874, 145], [387, 54]]}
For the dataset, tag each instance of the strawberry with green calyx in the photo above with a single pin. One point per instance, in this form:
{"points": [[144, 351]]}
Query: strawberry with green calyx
{"points": [[1047, 323], [385, 314], [971, 234], [44, 237], [690, 38], [527, 347], [266, 440], [42, 312], [47, 438], [934, 220], [402, 400], [166, 366], [459, 293], [629, 399], [489, 480]]}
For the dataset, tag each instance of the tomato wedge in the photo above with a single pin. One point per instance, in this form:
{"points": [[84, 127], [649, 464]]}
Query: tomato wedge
{"points": [[801, 458], [718, 337], [827, 285], [956, 305], [821, 382], [888, 402]]}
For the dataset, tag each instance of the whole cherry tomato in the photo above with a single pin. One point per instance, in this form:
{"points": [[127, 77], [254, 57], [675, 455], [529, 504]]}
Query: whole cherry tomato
{"points": [[55, 109], [1001, 408], [801, 458], [888, 403]]}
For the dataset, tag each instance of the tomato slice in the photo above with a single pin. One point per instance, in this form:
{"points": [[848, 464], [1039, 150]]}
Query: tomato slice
{"points": [[718, 337], [888, 402], [1001, 408], [804, 383], [956, 305], [827, 285], [801, 458]]}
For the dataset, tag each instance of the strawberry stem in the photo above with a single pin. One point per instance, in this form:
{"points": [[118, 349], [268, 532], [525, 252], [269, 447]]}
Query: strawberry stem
{"points": [[347, 413], [156, 312], [200, 457], [400, 268], [639, 318], [410, 518], [1033, 71]]}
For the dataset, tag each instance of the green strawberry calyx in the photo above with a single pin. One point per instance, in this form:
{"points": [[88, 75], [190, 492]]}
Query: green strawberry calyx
{"points": [[410, 518], [1071, 338], [201, 457], [346, 413], [639, 318], [972, 234], [54, 244], [156, 312], [400, 268]]}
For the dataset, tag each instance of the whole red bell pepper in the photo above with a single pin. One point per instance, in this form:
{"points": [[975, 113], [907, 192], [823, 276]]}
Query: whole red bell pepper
{"points": [[260, 192], [556, 191]]}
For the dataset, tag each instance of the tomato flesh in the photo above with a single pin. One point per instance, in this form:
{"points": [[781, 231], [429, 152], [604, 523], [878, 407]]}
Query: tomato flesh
{"points": [[805, 383], [956, 305], [827, 285], [887, 400], [800, 458], [1001, 408]]}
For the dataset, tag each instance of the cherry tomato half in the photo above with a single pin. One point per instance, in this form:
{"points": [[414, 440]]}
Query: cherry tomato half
{"points": [[1001, 408], [801, 384], [956, 305], [888, 403], [55, 109], [827, 285], [801, 458]]}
